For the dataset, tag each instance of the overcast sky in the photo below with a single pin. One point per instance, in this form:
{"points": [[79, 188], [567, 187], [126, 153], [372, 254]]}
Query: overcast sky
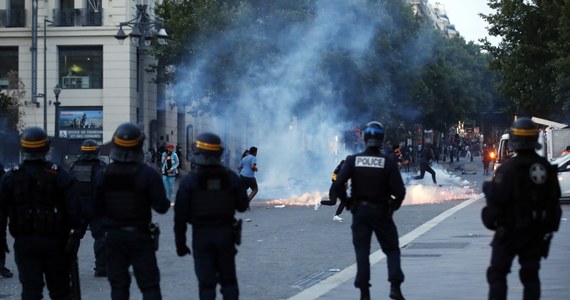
{"points": [[464, 14]]}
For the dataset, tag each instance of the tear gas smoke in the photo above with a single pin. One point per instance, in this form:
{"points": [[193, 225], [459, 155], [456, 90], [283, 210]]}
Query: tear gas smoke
{"points": [[290, 105]]}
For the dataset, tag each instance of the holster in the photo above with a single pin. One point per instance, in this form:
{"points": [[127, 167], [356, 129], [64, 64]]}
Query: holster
{"points": [[546, 245], [237, 231], [154, 235]]}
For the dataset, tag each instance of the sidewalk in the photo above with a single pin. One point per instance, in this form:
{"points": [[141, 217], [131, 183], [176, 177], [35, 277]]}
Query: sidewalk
{"points": [[447, 258]]}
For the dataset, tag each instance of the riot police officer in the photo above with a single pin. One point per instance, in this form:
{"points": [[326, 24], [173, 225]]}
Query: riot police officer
{"points": [[523, 208], [377, 191], [207, 199], [85, 168], [41, 203], [126, 192]]}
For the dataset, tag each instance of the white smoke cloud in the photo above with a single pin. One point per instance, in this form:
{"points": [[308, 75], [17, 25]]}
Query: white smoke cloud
{"points": [[297, 139]]}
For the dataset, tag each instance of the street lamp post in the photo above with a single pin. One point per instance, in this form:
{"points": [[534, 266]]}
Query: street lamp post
{"points": [[56, 91], [144, 29], [45, 73]]}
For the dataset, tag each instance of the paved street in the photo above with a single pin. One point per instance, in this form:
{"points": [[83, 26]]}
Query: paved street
{"points": [[293, 251]]}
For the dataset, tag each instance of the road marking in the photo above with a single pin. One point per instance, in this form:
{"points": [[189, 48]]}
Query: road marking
{"points": [[343, 276]]}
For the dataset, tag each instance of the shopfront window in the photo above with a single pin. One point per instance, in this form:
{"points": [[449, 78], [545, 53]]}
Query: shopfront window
{"points": [[81, 67]]}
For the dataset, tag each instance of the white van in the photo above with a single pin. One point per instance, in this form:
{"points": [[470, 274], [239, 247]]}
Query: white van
{"points": [[504, 151]]}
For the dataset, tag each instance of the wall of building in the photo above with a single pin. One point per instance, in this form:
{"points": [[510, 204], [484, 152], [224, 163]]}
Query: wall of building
{"points": [[118, 97]]}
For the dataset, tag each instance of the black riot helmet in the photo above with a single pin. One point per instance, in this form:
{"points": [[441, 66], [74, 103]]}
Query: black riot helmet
{"points": [[34, 143], [523, 135], [373, 134], [127, 144], [89, 146], [208, 149]]}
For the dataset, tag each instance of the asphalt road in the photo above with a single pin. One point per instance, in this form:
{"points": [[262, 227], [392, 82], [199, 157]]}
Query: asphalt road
{"points": [[287, 246]]}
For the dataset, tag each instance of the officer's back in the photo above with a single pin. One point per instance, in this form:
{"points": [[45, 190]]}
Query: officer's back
{"points": [[377, 191], [40, 200], [208, 198], [125, 192]]}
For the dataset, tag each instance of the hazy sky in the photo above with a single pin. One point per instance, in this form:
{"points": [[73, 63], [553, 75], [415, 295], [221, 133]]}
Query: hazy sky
{"points": [[464, 14]]}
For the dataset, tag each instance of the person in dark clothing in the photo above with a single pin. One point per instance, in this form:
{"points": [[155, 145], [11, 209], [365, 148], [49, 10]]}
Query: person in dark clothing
{"points": [[332, 195], [523, 208], [208, 198], [84, 169], [377, 191], [4, 272], [426, 157], [41, 234], [487, 152], [126, 192]]}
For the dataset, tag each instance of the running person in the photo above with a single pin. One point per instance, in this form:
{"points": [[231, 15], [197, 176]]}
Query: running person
{"points": [[333, 196], [248, 167]]}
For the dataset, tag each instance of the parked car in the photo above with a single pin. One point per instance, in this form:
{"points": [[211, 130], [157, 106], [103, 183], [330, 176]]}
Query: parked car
{"points": [[563, 163]]}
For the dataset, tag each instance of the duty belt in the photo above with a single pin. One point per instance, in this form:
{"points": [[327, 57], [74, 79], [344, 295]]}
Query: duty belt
{"points": [[132, 228], [371, 204]]}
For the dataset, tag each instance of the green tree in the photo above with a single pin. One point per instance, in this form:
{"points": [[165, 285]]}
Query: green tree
{"points": [[10, 115], [532, 58]]}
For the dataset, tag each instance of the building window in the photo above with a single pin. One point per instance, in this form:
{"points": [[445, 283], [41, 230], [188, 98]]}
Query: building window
{"points": [[9, 59], [81, 67]]}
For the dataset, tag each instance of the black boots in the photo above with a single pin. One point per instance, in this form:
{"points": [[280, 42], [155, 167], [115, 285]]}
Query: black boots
{"points": [[364, 294], [396, 293]]}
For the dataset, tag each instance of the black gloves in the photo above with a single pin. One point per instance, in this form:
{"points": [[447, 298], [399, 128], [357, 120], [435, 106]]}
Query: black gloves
{"points": [[183, 250], [394, 204]]}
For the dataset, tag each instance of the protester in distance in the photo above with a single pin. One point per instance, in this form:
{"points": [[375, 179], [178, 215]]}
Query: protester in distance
{"points": [[523, 208], [488, 156], [248, 167], [377, 190], [85, 169], [333, 196], [169, 170], [41, 234], [427, 155], [126, 192], [208, 198]]}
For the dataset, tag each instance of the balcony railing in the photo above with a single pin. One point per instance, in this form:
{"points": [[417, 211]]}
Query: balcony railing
{"points": [[91, 17], [64, 16], [78, 17], [13, 18]]}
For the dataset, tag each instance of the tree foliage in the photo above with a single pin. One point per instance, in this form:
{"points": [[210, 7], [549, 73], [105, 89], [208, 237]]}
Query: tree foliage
{"points": [[532, 58], [10, 114]]}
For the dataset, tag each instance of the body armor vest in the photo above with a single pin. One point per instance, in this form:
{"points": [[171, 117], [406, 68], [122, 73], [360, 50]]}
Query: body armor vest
{"points": [[38, 207], [84, 171], [124, 203], [214, 198], [536, 200], [367, 181]]}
